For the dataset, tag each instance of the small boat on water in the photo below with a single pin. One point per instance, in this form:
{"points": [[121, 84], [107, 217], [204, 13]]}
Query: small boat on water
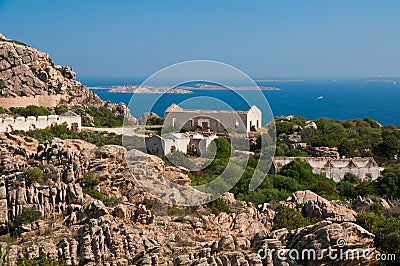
{"points": [[320, 97]]}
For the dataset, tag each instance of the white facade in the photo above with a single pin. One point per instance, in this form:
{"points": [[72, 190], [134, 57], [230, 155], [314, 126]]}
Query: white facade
{"points": [[335, 169], [182, 142], [215, 120], [9, 124]]}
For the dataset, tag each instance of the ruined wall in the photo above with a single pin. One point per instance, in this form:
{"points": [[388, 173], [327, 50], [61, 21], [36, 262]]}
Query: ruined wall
{"points": [[229, 120], [336, 172], [254, 118], [38, 100], [30, 123]]}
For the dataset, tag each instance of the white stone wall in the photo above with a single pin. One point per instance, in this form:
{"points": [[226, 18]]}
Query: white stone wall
{"points": [[337, 172], [254, 118], [216, 120], [163, 146], [29, 123]]}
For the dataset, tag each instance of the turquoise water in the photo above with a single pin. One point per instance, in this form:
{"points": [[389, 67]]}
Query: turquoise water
{"points": [[341, 99]]}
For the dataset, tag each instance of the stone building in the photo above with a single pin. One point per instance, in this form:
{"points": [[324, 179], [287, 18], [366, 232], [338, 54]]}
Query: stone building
{"points": [[182, 142], [214, 120], [364, 168], [9, 124]]}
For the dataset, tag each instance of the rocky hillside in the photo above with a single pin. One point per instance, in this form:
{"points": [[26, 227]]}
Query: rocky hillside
{"points": [[25, 72], [71, 200]]}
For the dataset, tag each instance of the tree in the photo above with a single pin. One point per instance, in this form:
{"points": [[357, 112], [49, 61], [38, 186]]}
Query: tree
{"points": [[386, 230], [346, 189], [390, 145], [389, 184], [298, 169], [222, 146], [290, 219], [31, 110], [27, 216]]}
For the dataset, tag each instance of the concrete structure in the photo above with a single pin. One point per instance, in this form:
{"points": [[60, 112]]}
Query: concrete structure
{"points": [[9, 124], [182, 142], [365, 168], [214, 120]]}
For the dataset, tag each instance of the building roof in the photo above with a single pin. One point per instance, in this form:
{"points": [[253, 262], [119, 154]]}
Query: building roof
{"points": [[176, 136], [176, 108], [328, 162]]}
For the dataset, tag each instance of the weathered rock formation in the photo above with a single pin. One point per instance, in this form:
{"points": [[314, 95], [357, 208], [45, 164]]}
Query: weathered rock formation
{"points": [[129, 226], [324, 243], [29, 77], [315, 206]]}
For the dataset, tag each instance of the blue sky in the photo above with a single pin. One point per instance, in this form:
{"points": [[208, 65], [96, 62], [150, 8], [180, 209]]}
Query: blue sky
{"points": [[112, 39]]}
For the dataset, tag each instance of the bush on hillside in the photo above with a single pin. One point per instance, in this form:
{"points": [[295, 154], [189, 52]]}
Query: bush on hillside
{"points": [[31, 110]]}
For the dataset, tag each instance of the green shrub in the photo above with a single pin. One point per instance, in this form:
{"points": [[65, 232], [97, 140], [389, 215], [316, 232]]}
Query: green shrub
{"points": [[386, 229], [27, 216], [42, 260], [222, 146], [62, 132], [93, 193], [90, 179], [31, 110], [102, 116], [175, 211], [61, 110], [51, 62], [2, 111], [149, 203], [3, 84], [291, 219], [155, 121], [111, 202], [185, 129], [18, 42], [36, 174], [218, 205]]}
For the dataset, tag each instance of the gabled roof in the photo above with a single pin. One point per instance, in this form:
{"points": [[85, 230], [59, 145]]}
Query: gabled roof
{"points": [[173, 107], [327, 162], [176, 108]]}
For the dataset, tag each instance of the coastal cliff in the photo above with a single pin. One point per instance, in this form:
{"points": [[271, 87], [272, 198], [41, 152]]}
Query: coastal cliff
{"points": [[29, 77]]}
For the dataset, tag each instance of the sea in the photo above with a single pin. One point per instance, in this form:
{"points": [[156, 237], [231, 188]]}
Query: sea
{"points": [[339, 99]]}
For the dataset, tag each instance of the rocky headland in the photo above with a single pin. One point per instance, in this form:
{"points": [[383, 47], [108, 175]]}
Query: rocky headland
{"points": [[127, 226], [29, 77]]}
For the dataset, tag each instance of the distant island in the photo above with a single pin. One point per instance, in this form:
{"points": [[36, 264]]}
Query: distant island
{"points": [[183, 89], [394, 80]]}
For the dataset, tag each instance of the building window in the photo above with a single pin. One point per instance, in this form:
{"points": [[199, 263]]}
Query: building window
{"points": [[173, 122], [74, 126], [368, 177]]}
